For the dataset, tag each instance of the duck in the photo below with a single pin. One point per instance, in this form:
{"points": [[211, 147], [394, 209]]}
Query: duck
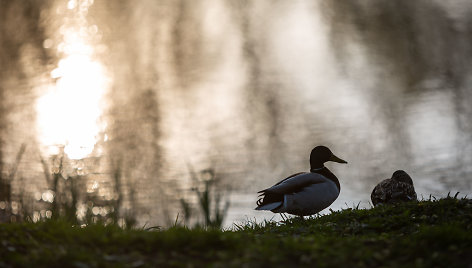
{"points": [[399, 188], [304, 193]]}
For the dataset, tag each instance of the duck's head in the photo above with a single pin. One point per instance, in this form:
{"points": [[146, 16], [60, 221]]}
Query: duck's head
{"points": [[321, 154], [402, 176]]}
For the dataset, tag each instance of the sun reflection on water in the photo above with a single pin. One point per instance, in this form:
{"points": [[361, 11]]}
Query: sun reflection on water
{"points": [[69, 112]]}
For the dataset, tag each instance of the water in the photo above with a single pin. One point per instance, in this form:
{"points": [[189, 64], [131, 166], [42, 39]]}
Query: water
{"points": [[156, 89]]}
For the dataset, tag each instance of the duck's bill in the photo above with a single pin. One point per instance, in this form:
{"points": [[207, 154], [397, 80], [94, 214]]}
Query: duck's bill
{"points": [[337, 159]]}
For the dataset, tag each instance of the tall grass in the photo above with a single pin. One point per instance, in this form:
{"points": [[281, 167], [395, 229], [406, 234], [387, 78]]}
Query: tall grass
{"points": [[69, 197], [209, 196], [207, 207], [6, 181]]}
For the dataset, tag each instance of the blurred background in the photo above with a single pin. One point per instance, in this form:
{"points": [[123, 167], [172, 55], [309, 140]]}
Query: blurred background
{"points": [[139, 110]]}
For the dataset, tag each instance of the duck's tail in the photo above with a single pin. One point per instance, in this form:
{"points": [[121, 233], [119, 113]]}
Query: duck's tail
{"points": [[269, 201], [270, 206]]}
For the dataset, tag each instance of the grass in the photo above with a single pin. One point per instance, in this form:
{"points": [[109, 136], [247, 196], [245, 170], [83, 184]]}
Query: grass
{"points": [[209, 199], [433, 233]]}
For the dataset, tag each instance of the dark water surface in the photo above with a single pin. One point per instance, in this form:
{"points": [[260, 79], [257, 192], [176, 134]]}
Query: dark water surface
{"points": [[156, 90]]}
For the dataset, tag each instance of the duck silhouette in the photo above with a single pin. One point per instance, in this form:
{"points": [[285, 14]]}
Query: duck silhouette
{"points": [[399, 188], [304, 193]]}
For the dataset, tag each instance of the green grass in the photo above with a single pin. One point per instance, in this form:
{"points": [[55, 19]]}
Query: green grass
{"points": [[416, 234]]}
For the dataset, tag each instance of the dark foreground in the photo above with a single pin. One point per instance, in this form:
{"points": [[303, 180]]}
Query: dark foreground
{"points": [[416, 234]]}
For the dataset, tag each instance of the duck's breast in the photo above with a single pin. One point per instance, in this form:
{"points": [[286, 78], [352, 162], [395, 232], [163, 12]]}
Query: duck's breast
{"points": [[312, 199]]}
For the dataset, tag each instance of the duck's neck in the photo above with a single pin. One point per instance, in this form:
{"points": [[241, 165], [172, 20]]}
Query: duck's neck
{"points": [[327, 173]]}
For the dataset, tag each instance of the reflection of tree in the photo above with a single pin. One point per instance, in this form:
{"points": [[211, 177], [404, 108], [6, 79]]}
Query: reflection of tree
{"points": [[17, 28], [21, 47], [390, 31], [413, 43], [134, 144], [187, 43], [262, 104], [135, 42], [416, 40]]}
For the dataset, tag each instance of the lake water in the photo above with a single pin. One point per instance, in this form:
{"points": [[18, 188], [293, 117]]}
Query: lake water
{"points": [[157, 90]]}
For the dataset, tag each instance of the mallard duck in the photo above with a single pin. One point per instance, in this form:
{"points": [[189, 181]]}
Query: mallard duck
{"points": [[304, 193], [399, 188]]}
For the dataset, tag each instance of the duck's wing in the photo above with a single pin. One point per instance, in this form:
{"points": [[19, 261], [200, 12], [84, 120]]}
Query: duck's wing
{"points": [[291, 176], [282, 181], [295, 183]]}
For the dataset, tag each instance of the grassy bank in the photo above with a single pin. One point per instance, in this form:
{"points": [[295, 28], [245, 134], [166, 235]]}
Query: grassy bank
{"points": [[417, 234]]}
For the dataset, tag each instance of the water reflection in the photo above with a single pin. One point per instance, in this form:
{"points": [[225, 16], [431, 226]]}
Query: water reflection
{"points": [[245, 88], [68, 113]]}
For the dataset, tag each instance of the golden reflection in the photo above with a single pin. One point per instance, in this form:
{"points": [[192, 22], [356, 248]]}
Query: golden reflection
{"points": [[92, 186], [69, 112], [48, 196]]}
